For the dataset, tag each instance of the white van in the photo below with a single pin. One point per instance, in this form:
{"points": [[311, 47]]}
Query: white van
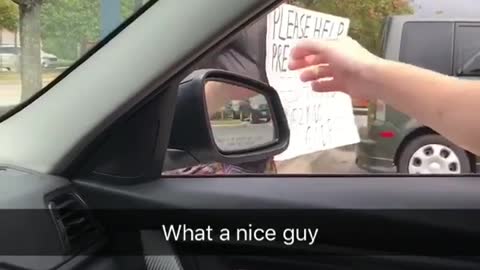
{"points": [[10, 58]]}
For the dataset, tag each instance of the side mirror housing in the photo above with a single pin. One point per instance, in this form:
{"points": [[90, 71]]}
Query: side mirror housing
{"points": [[224, 117]]}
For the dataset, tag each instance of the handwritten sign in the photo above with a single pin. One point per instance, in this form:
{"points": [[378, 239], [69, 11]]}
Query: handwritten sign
{"points": [[317, 121]]}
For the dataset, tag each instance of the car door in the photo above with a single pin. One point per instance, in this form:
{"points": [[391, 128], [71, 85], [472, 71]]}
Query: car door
{"points": [[96, 139]]}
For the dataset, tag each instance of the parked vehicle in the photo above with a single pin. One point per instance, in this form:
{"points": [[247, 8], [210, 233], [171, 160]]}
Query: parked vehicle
{"points": [[10, 58], [395, 141], [261, 114], [48, 60], [243, 110]]}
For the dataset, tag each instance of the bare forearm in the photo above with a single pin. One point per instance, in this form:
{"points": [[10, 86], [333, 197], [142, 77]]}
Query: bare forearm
{"points": [[445, 104]]}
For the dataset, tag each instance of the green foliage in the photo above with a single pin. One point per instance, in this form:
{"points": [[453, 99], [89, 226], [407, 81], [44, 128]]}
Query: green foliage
{"points": [[128, 7], [68, 25], [366, 16], [8, 15]]}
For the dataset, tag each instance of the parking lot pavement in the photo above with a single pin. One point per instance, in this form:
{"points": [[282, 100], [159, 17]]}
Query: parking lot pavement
{"points": [[9, 94], [335, 161]]}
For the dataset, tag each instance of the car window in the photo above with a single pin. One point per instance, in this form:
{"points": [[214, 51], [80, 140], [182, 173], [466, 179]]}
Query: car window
{"points": [[36, 49], [420, 32], [467, 49], [434, 50], [53, 35]]}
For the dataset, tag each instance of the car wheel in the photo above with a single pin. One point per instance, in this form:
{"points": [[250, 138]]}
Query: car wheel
{"points": [[433, 154], [254, 119]]}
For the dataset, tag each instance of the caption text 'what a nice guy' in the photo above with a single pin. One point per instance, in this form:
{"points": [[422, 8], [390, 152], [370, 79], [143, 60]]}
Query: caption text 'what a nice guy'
{"points": [[290, 236]]}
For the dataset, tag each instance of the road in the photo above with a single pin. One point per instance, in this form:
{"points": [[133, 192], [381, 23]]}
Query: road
{"points": [[9, 94], [243, 135], [334, 161]]}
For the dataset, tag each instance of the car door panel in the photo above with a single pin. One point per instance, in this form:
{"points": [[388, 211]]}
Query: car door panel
{"points": [[357, 200], [255, 192], [269, 193], [30, 239]]}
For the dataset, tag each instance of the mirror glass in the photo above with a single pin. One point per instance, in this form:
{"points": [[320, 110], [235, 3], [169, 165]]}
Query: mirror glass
{"points": [[240, 117]]}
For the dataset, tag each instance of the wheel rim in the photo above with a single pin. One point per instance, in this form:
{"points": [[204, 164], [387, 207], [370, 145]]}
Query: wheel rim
{"points": [[434, 159]]}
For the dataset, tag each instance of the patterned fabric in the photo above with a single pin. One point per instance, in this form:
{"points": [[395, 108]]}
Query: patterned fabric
{"points": [[162, 263], [225, 169]]}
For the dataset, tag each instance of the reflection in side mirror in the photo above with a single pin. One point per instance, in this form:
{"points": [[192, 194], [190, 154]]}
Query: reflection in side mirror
{"points": [[224, 117], [240, 118]]}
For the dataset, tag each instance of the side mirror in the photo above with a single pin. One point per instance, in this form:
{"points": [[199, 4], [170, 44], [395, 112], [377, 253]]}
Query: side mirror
{"points": [[224, 117]]}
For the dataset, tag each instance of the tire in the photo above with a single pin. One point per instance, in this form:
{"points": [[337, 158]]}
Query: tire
{"points": [[433, 154], [254, 119]]}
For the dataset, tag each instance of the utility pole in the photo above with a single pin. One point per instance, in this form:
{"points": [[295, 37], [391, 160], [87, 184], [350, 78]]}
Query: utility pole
{"points": [[111, 16]]}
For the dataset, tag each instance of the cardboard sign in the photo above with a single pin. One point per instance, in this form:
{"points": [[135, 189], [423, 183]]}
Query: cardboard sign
{"points": [[317, 121]]}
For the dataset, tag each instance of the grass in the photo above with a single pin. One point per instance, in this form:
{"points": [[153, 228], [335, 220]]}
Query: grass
{"points": [[14, 77], [48, 75]]}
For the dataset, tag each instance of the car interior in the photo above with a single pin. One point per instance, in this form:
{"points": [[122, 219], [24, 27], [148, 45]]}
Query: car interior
{"points": [[84, 189]]}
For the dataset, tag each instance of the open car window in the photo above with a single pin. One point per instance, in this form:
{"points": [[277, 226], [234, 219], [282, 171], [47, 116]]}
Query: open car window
{"points": [[332, 133]]}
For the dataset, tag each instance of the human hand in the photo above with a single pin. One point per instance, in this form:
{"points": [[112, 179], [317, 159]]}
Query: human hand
{"points": [[335, 65]]}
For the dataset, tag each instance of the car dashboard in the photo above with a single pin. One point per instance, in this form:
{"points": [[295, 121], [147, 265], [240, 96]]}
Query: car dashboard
{"points": [[40, 228]]}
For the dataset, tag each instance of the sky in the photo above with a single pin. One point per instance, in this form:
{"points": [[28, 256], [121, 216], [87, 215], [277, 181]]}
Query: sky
{"points": [[467, 8]]}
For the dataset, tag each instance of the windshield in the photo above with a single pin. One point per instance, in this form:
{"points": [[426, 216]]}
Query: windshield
{"points": [[49, 38]]}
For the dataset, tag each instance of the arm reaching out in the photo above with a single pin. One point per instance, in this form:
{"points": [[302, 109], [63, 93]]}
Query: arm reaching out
{"points": [[446, 104]]}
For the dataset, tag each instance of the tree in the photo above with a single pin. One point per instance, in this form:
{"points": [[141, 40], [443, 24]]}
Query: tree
{"points": [[66, 24], [366, 16], [8, 15], [30, 63]]}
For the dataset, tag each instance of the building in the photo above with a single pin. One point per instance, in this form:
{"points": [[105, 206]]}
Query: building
{"points": [[8, 37]]}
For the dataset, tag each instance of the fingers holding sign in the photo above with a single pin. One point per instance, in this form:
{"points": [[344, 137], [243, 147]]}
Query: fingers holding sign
{"points": [[321, 77], [298, 62], [316, 72]]}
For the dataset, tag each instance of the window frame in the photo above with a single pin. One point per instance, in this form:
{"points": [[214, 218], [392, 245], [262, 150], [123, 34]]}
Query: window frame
{"points": [[457, 62], [448, 68]]}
